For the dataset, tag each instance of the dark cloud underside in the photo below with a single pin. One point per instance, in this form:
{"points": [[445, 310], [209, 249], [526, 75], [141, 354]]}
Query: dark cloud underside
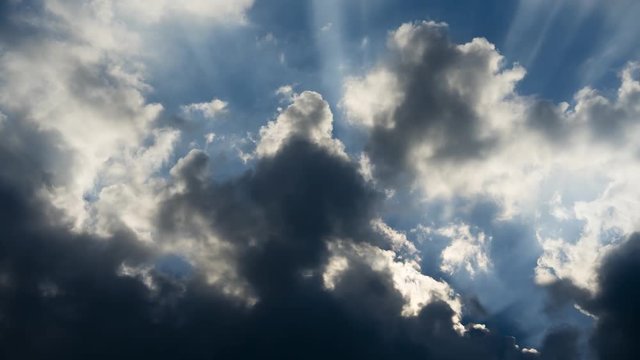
{"points": [[62, 297]]}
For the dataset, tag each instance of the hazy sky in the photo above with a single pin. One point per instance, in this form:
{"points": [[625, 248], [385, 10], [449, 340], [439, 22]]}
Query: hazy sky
{"points": [[319, 179]]}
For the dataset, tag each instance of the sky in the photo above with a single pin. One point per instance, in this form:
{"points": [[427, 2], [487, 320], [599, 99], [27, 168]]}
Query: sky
{"points": [[307, 179]]}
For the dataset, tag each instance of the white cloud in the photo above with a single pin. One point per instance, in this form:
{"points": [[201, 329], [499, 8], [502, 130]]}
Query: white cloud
{"points": [[96, 107], [371, 100], [475, 75], [86, 83], [399, 242], [308, 117], [467, 251], [131, 191], [417, 289], [141, 272], [208, 109], [286, 92], [610, 212], [334, 268], [365, 168]]}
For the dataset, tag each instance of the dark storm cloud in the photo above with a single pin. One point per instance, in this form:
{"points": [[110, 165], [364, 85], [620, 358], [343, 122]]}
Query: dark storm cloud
{"points": [[617, 332], [561, 344], [54, 284], [62, 297], [280, 215], [564, 292], [614, 305]]}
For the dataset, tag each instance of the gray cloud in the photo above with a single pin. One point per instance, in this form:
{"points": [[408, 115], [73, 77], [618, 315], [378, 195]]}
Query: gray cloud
{"points": [[432, 91], [562, 344], [616, 334], [64, 293], [613, 304]]}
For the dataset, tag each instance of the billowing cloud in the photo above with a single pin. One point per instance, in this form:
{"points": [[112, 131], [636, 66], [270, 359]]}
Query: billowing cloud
{"points": [[308, 117], [441, 101], [274, 225], [450, 121]]}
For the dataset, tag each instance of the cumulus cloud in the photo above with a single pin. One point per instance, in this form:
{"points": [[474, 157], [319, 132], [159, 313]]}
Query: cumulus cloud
{"points": [[257, 249], [371, 101], [303, 232], [448, 119], [466, 250], [308, 117], [416, 289], [208, 109], [440, 100]]}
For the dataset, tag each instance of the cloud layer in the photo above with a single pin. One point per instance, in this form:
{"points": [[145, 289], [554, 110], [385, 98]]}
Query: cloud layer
{"points": [[430, 211]]}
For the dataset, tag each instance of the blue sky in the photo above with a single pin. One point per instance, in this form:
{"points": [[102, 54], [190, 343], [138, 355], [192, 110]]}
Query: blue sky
{"points": [[563, 45]]}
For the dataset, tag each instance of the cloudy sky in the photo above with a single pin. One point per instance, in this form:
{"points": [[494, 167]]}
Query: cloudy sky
{"points": [[319, 179]]}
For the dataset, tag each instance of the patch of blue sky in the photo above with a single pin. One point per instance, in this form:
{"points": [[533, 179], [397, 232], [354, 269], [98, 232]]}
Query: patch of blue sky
{"points": [[174, 266]]}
